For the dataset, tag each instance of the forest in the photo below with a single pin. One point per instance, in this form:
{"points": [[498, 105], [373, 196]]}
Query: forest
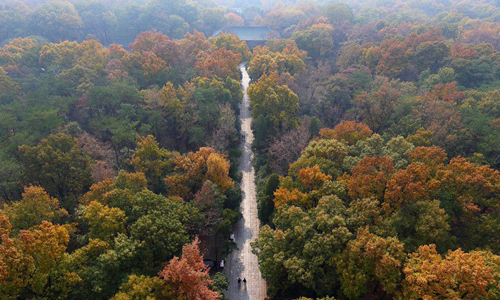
{"points": [[376, 148]]}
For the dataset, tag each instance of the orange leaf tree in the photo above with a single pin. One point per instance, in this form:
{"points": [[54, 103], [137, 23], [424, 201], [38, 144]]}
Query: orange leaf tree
{"points": [[458, 275], [194, 168], [348, 132], [369, 178], [188, 276]]}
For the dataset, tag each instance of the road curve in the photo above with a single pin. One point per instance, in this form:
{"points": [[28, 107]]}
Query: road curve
{"points": [[242, 263]]}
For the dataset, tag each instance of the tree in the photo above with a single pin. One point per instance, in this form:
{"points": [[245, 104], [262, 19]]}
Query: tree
{"points": [[285, 60], [188, 276], [284, 197], [370, 266], [348, 132], [101, 153], [415, 183], [335, 98], [98, 20], [141, 229], [391, 59], [369, 177], [192, 45], [233, 19], [153, 53], [9, 89], [140, 287], [421, 223], [161, 229], [232, 43], [221, 283], [438, 110], [225, 135], [375, 109], [57, 21], [317, 40], [104, 267], [35, 207], [193, 169], [105, 222], [300, 252], [430, 54], [324, 298], [281, 19], [29, 261], [266, 198], [13, 20], [218, 171], [458, 275], [275, 102], [444, 75], [468, 192], [59, 166], [158, 44], [213, 19], [327, 154], [114, 116], [287, 148], [221, 63], [432, 156], [421, 138], [312, 178], [62, 55], [482, 33], [153, 161], [209, 201], [338, 13], [399, 149]]}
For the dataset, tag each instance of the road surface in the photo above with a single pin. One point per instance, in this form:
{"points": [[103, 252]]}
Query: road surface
{"points": [[242, 263]]}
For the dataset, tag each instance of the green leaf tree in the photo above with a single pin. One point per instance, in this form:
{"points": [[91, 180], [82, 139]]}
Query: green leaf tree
{"points": [[59, 166]]}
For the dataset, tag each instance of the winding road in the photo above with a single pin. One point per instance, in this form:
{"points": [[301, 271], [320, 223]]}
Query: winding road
{"points": [[242, 263]]}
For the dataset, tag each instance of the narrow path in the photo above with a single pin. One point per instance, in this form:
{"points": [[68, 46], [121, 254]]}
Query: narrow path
{"points": [[242, 263]]}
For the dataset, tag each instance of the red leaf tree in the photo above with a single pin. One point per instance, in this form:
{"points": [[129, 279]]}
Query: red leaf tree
{"points": [[188, 276]]}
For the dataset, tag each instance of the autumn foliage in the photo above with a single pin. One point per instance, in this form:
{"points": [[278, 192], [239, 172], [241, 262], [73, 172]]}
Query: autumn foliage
{"points": [[348, 132], [406, 227], [119, 143], [370, 177], [188, 275], [195, 168], [457, 275], [294, 197]]}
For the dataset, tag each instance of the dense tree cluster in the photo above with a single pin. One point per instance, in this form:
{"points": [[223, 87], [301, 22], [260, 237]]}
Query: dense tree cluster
{"points": [[184, 92], [377, 133], [397, 67], [360, 217], [399, 199], [109, 21], [112, 161], [120, 235]]}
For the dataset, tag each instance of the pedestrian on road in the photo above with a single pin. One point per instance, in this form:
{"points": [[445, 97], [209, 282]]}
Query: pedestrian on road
{"points": [[244, 281], [239, 281]]}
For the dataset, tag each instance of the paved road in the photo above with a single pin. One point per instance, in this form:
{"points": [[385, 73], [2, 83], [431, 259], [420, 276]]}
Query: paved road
{"points": [[242, 262]]}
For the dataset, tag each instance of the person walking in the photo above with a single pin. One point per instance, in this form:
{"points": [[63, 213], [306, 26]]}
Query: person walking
{"points": [[239, 281]]}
